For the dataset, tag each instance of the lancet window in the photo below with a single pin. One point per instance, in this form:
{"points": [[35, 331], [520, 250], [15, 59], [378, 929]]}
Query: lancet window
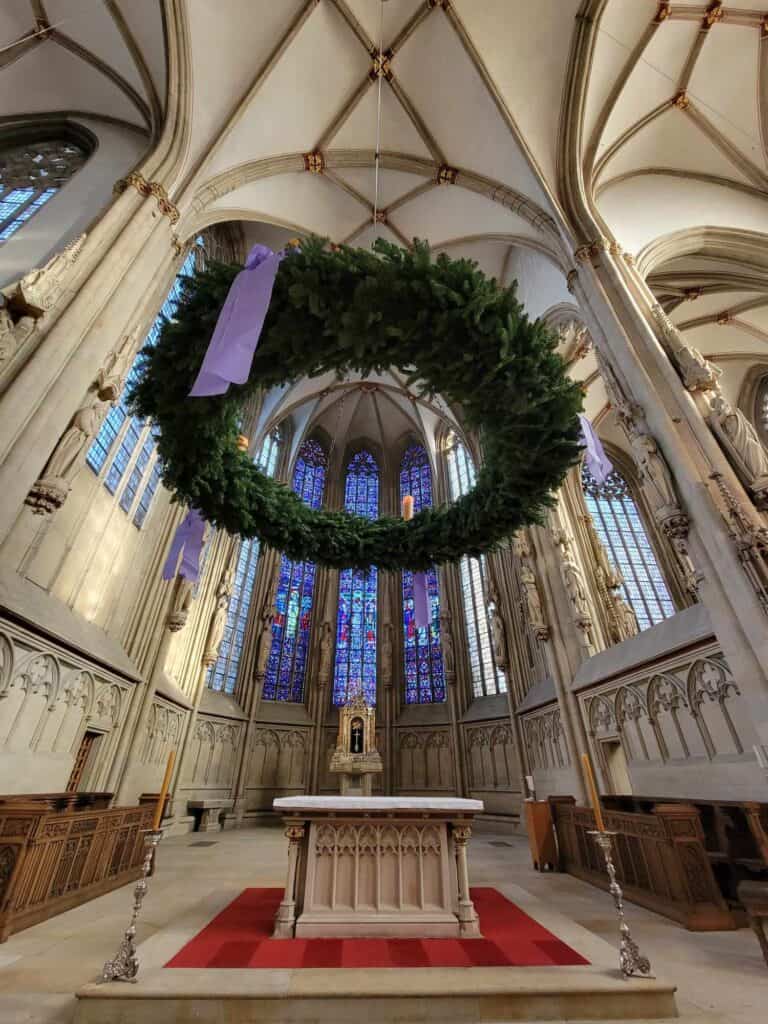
{"points": [[30, 175], [287, 663], [355, 664], [487, 679], [423, 656], [124, 449], [223, 674], [761, 410], [620, 529]]}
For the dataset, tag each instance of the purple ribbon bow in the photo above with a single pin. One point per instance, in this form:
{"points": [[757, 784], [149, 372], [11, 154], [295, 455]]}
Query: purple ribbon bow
{"points": [[230, 352], [421, 614], [598, 463], [187, 542]]}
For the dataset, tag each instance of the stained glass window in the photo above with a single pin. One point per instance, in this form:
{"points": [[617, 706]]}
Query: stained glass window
{"points": [[424, 675], [125, 435], [284, 678], [355, 665], [621, 531], [761, 410], [487, 679], [30, 175], [223, 674]]}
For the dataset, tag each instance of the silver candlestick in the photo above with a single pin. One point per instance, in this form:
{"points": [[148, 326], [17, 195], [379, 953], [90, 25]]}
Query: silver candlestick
{"points": [[631, 961], [124, 966]]}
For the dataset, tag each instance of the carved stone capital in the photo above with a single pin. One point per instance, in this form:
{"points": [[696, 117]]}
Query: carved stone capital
{"points": [[47, 495], [146, 189]]}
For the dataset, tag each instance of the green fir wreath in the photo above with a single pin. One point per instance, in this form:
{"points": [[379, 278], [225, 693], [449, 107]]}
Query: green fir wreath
{"points": [[451, 329]]}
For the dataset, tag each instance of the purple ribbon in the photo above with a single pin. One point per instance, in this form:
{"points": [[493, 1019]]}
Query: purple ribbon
{"points": [[421, 614], [598, 463], [230, 352], [187, 542]]}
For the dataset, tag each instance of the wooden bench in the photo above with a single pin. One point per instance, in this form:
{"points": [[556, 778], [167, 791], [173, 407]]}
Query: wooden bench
{"points": [[54, 856], [754, 898], [208, 813]]}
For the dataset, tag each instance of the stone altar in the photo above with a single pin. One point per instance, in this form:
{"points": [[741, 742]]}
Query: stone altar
{"points": [[377, 867]]}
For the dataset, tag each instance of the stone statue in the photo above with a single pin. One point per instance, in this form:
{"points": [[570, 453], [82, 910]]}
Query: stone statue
{"points": [[326, 653], [498, 631], [741, 444], [265, 639], [655, 477], [13, 335], [533, 602], [446, 641], [624, 618], [697, 372], [576, 589], [219, 618], [50, 491]]}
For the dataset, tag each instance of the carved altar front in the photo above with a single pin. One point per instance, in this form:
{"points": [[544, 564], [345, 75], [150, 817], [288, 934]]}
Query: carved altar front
{"points": [[377, 867]]}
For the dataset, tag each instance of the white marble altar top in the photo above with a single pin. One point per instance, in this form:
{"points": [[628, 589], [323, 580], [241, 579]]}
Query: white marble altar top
{"points": [[449, 805]]}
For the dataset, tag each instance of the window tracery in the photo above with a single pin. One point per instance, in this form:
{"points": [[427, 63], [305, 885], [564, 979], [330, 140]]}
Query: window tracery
{"points": [[621, 531], [355, 663], [223, 673], [423, 656], [31, 173], [761, 409], [130, 439], [287, 662], [487, 678]]}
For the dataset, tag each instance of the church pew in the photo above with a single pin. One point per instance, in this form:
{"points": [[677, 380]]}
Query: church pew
{"points": [[55, 856]]}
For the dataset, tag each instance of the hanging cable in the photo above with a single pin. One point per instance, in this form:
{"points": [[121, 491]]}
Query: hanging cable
{"points": [[377, 155]]}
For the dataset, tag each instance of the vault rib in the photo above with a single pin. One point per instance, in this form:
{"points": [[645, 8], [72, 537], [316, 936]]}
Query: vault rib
{"points": [[139, 62]]}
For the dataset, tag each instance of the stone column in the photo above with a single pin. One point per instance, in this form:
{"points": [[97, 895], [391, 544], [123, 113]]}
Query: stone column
{"points": [[469, 926], [727, 541], [285, 921]]}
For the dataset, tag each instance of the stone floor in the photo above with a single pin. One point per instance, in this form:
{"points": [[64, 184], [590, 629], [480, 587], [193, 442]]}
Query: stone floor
{"points": [[720, 976]]}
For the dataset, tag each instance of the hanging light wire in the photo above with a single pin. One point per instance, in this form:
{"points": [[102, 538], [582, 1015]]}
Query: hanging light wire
{"points": [[377, 156]]}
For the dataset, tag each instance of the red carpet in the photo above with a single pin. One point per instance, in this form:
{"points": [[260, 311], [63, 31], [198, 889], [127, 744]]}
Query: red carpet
{"points": [[240, 937]]}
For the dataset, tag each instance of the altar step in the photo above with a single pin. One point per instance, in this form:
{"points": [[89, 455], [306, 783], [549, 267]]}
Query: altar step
{"points": [[383, 996]]}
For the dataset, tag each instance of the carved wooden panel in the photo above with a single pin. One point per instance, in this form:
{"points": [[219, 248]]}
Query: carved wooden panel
{"points": [[491, 757], [425, 760], [278, 764]]}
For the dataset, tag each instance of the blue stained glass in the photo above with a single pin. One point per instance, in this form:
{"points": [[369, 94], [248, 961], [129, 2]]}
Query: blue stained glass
{"points": [[621, 531], [16, 208], [424, 675], [355, 665], [284, 678], [223, 675]]}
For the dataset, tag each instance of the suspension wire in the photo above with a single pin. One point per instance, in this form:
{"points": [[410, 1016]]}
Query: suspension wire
{"points": [[377, 156]]}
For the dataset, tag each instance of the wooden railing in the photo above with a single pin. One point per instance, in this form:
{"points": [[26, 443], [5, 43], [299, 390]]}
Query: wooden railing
{"points": [[53, 857], [735, 838], [660, 860]]}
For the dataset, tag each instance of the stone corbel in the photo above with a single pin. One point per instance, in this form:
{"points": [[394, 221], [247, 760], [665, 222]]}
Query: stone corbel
{"points": [[146, 189], [39, 290], [181, 602]]}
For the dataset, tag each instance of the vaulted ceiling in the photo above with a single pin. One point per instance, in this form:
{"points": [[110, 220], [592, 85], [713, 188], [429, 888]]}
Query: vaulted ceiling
{"points": [[468, 105]]}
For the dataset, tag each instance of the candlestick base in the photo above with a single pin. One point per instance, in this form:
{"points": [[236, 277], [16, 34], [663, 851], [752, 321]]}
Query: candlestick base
{"points": [[632, 963], [124, 966]]}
